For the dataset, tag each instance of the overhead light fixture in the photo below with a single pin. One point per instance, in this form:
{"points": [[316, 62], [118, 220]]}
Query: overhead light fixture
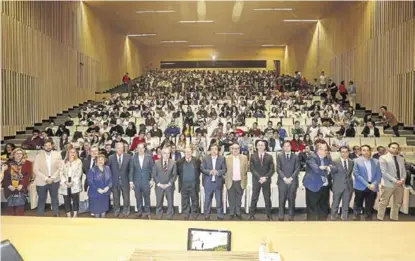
{"points": [[197, 22], [230, 33], [154, 11], [273, 45], [200, 45], [176, 41], [272, 9], [301, 20], [167, 63], [213, 57], [140, 35]]}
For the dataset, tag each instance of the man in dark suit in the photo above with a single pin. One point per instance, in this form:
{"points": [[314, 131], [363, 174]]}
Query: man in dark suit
{"points": [[141, 166], [188, 171], [261, 166], [213, 168], [88, 163], [288, 167], [174, 155], [119, 164], [164, 174], [370, 131], [317, 184], [342, 183]]}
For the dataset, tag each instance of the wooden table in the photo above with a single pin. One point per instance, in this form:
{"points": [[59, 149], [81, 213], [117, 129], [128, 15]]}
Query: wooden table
{"points": [[173, 255]]}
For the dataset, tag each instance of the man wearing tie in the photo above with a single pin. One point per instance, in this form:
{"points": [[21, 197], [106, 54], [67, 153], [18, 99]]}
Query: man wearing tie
{"points": [[367, 176], [236, 180], [288, 167], [164, 174], [213, 169], [261, 165], [394, 174], [88, 163], [188, 171], [316, 183], [119, 164], [140, 179], [342, 184], [175, 155]]}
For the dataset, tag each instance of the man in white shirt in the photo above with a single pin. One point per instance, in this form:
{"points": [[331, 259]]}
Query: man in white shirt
{"points": [[323, 80], [236, 180]]}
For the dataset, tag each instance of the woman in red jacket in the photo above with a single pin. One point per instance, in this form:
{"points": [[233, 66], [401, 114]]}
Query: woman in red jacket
{"points": [[343, 91], [296, 144], [17, 174]]}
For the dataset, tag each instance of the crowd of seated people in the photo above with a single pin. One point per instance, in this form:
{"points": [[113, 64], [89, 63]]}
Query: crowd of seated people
{"points": [[190, 115]]}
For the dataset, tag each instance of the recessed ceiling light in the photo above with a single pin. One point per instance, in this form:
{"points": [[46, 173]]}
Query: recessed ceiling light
{"points": [[273, 45], [140, 35], [301, 20], [174, 41], [272, 9], [230, 33], [200, 45], [197, 22], [155, 11]]}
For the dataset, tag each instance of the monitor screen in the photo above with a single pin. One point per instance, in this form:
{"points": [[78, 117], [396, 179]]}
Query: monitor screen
{"points": [[208, 240]]}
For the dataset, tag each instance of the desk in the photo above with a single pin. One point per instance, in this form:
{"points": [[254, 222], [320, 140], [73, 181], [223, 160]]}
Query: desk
{"points": [[64, 239], [159, 255]]}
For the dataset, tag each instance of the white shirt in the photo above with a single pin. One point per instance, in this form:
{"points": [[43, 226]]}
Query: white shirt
{"points": [[323, 79], [288, 155], [236, 169], [371, 132], [347, 163], [91, 164], [119, 158], [214, 162], [324, 179], [173, 156], [141, 160], [49, 162], [368, 165]]}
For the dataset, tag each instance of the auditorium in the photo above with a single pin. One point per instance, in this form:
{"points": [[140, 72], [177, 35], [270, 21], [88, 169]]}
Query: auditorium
{"points": [[207, 130]]}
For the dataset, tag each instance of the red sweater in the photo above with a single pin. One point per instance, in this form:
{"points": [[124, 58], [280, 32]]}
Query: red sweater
{"points": [[297, 146], [135, 142], [342, 88]]}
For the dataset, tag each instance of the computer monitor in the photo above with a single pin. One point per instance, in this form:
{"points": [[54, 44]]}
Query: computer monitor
{"points": [[208, 240]]}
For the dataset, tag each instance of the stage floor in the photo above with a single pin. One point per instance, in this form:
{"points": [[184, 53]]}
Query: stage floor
{"points": [[47, 238]]}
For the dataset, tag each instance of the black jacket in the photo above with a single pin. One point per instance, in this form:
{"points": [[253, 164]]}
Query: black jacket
{"points": [[196, 165]]}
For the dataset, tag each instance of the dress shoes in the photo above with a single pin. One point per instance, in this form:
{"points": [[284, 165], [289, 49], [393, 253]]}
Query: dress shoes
{"points": [[207, 218], [270, 218], [251, 217], [290, 218]]}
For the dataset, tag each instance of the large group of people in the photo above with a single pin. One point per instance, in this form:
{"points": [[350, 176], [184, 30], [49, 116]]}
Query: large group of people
{"points": [[191, 126]]}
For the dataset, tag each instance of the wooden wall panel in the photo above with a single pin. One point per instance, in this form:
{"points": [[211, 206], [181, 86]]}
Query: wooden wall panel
{"points": [[51, 59], [372, 43]]}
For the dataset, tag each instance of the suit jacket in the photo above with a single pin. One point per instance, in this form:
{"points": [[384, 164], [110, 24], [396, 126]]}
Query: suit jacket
{"points": [[140, 174], [196, 165], [120, 175], [389, 171], [366, 131], [164, 178], [41, 171], [288, 168], [86, 163], [312, 179], [264, 170], [360, 174], [342, 179], [243, 166], [207, 166], [177, 156]]}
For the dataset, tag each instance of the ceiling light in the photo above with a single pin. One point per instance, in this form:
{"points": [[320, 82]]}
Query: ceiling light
{"points": [[301, 20], [273, 45], [155, 11], [200, 45], [230, 33], [140, 35], [167, 63], [177, 41], [272, 9], [197, 22]]}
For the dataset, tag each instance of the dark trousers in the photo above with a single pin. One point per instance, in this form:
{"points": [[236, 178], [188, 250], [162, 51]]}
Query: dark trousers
{"points": [[116, 195], [394, 128], [266, 191], [190, 200], [15, 211], [42, 192], [209, 191], [142, 191], [287, 192], [343, 196], [317, 204], [69, 199], [344, 96], [368, 197], [160, 194], [235, 198]]}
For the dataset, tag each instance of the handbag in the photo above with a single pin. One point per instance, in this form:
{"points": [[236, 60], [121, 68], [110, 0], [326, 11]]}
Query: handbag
{"points": [[15, 200], [83, 206]]}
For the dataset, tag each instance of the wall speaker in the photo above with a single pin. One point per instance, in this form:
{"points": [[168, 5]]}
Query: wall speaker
{"points": [[9, 252]]}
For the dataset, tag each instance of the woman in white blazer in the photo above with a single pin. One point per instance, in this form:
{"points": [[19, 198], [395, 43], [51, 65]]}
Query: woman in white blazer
{"points": [[70, 186]]}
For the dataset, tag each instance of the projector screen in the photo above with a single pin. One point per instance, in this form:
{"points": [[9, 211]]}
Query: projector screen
{"points": [[208, 240]]}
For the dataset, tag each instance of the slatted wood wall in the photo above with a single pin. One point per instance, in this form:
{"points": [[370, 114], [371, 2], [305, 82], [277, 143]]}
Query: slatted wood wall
{"points": [[52, 58], [372, 43]]}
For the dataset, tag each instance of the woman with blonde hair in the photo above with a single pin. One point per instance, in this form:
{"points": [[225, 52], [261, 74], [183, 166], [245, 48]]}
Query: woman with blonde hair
{"points": [[17, 174], [70, 184]]}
